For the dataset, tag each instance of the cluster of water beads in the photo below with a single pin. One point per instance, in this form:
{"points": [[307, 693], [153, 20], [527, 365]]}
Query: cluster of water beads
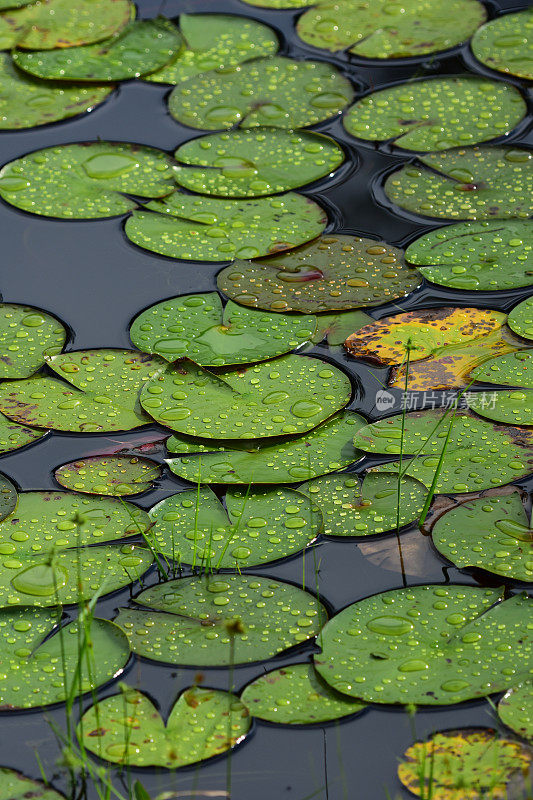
{"points": [[109, 475], [520, 319], [27, 337], [505, 43]]}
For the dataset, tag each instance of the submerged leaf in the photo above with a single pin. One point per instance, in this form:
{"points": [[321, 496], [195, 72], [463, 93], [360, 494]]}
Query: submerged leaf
{"points": [[197, 326], [128, 729], [255, 162], [506, 44], [44, 663], [216, 41], [390, 30], [141, 47], [13, 436], [89, 180], [470, 644], [15, 786], [250, 529], [466, 183], [437, 113], [336, 272], [45, 542], [480, 256], [277, 91], [109, 475], [337, 327], [211, 229], [326, 448], [215, 621], [292, 394], [515, 709], [27, 337], [520, 320], [294, 695]]}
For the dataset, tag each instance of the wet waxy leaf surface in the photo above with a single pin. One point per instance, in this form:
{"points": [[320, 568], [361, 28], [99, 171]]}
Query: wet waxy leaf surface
{"points": [[511, 406], [506, 44], [27, 337], [15, 786], [197, 326], [295, 695], [90, 180], [336, 272], [469, 643], [128, 729], [280, 3], [211, 229], [13, 436], [515, 709], [437, 113], [515, 369], [8, 497], [277, 91], [109, 475], [202, 616], [289, 395], [520, 320], [255, 162]]}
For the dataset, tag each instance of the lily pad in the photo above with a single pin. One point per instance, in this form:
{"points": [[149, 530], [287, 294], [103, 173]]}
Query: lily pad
{"points": [[295, 695], [354, 507], [211, 229], [520, 320], [15, 786], [101, 394], [197, 326], [109, 475], [479, 256], [326, 448], [506, 44], [275, 91], [8, 497], [515, 709], [128, 729], [510, 407], [251, 528], [255, 162], [50, 24], [515, 369], [216, 41], [470, 644], [336, 272], [26, 102], [335, 328], [27, 337], [280, 3], [437, 113], [491, 532], [43, 662], [46, 557], [479, 454], [386, 30], [468, 762], [141, 47], [13, 436], [14, 4], [292, 394], [88, 180], [215, 621], [466, 183]]}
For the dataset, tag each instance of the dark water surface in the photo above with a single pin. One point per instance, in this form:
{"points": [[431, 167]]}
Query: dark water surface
{"points": [[95, 281]]}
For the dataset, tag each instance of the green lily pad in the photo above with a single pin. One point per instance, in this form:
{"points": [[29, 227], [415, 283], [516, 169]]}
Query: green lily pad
{"points": [[384, 30], [13, 436], [491, 532], [198, 327], [15, 786], [26, 102], [255, 162], [335, 272], [335, 328], [289, 395], [87, 180], [27, 337], [466, 183], [464, 763], [520, 320], [216, 41], [141, 47], [42, 662], [50, 24], [46, 558], [275, 91], [515, 709], [510, 407], [251, 528], [8, 497], [14, 4], [479, 454], [215, 621], [513, 369], [280, 3], [294, 695], [480, 256], [103, 394], [506, 44], [354, 507], [326, 448], [437, 113], [128, 729], [211, 229], [109, 475], [469, 643]]}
